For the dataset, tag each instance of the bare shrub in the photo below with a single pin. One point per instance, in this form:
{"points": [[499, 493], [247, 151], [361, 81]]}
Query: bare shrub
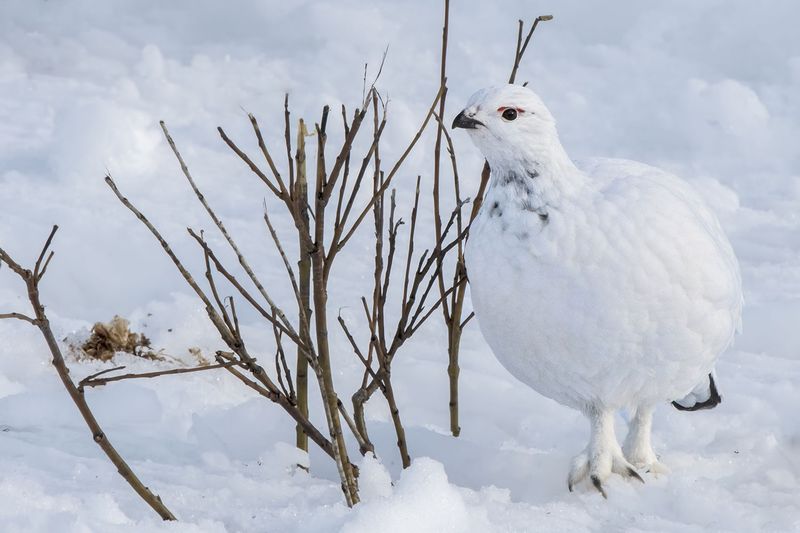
{"points": [[327, 208]]}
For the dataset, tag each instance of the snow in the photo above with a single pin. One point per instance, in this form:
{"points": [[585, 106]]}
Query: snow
{"points": [[705, 89]]}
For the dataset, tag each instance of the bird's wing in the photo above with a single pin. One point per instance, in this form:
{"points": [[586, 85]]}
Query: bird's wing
{"points": [[620, 174], [611, 175]]}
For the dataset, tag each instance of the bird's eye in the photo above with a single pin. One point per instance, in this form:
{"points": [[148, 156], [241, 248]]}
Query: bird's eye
{"points": [[510, 114]]}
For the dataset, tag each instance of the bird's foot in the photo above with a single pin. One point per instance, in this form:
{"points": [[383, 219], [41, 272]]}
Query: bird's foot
{"points": [[597, 466], [645, 459]]}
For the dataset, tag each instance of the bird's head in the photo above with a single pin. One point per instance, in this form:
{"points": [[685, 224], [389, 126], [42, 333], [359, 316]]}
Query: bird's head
{"points": [[508, 123]]}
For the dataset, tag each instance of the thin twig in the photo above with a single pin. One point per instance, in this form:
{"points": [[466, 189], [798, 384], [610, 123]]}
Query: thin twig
{"points": [[48, 242], [356, 349], [267, 156], [218, 222], [521, 47], [18, 316], [281, 324], [339, 243], [289, 270], [212, 313], [364, 444], [466, 320], [312, 432], [94, 381], [244, 157], [281, 368], [213, 286], [287, 133]]}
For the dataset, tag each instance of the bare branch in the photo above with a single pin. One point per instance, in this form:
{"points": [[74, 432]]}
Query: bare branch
{"points": [[281, 368], [341, 220], [237, 331], [225, 333], [466, 320], [299, 191], [31, 280], [333, 176], [267, 156], [346, 172], [340, 243], [287, 264], [37, 267], [521, 47], [218, 222], [46, 264], [275, 396], [244, 157], [356, 350], [364, 444], [415, 324], [213, 286], [283, 324], [365, 94], [412, 233], [101, 373], [95, 381], [287, 133], [437, 219], [18, 316]]}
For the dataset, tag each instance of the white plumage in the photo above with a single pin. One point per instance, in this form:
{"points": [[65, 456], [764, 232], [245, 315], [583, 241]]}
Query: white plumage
{"points": [[603, 286]]}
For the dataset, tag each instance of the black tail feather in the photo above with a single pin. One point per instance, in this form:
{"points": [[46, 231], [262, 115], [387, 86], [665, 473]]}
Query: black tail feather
{"points": [[714, 399]]}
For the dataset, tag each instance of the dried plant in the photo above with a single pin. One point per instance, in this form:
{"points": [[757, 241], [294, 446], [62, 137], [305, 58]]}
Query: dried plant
{"points": [[107, 339]]}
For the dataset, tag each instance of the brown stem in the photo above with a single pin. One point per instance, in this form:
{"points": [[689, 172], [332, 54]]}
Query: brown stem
{"points": [[522, 46], [388, 391], [265, 152], [19, 316], [338, 244], [319, 287], [310, 430], [359, 399], [402, 444], [437, 218], [256, 170], [95, 381], [304, 273], [364, 445]]}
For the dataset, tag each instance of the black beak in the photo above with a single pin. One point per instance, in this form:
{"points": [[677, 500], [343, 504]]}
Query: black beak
{"points": [[463, 121]]}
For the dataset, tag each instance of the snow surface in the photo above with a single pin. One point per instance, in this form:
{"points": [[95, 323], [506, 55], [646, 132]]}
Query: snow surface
{"points": [[703, 88]]}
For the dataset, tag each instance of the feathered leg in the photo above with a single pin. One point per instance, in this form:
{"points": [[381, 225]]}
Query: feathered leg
{"points": [[638, 448], [602, 455]]}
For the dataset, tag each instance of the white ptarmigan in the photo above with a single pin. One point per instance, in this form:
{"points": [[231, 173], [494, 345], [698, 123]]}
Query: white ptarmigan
{"points": [[602, 287]]}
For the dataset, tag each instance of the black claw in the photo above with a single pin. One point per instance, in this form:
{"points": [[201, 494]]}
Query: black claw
{"points": [[635, 474], [599, 486]]}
